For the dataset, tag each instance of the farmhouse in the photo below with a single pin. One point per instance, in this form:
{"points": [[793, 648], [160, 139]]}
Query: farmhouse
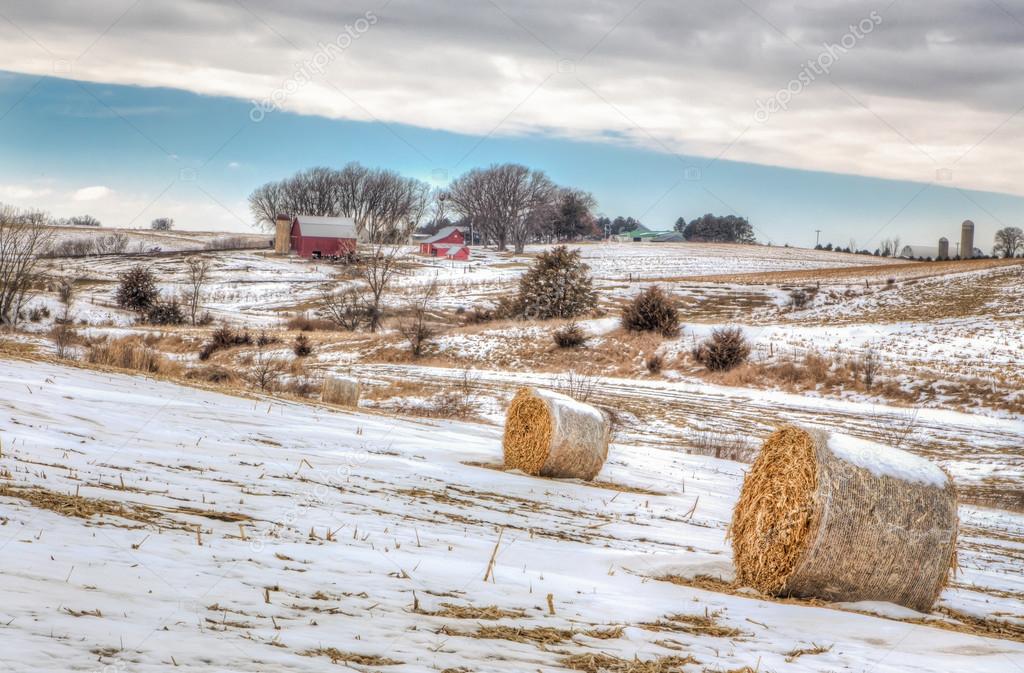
{"points": [[449, 243], [323, 237]]}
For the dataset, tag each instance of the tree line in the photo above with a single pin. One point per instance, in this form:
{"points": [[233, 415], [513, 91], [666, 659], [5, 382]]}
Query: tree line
{"points": [[506, 205]]}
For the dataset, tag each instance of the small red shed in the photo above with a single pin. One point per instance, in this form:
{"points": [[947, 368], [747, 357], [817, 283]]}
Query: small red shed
{"points": [[449, 243], [323, 237]]}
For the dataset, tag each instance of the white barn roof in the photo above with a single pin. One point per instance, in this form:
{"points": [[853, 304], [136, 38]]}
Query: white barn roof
{"points": [[444, 233], [327, 227]]}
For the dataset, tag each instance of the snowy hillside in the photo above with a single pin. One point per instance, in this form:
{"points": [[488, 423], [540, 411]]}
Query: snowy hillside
{"points": [[148, 526]]}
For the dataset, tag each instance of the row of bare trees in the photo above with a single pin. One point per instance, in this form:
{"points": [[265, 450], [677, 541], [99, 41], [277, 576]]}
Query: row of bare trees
{"points": [[507, 204], [386, 206]]}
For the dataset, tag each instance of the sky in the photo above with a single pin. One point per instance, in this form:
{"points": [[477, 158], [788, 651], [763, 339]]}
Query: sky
{"points": [[864, 121]]}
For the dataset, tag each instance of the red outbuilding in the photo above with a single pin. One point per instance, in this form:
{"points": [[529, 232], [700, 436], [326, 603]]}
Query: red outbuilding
{"points": [[449, 243], [323, 237]]}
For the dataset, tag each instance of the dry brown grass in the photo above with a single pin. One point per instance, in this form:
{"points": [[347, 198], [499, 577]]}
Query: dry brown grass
{"points": [[990, 628], [489, 612], [303, 323], [129, 353], [696, 625], [545, 635], [78, 506], [340, 657], [607, 663], [16, 349], [795, 654], [835, 375]]}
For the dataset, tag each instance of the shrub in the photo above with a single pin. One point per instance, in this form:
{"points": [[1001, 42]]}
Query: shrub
{"points": [[557, 285], [799, 297], [724, 349], [346, 310], [136, 290], [478, 315], [165, 313], [654, 363], [64, 338], [303, 323], [223, 338], [570, 336], [302, 346], [267, 370], [651, 311], [265, 339]]}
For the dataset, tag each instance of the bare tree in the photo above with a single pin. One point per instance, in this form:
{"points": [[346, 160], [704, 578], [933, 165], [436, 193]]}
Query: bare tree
{"points": [[197, 270], [504, 202], [266, 369], [345, 309], [23, 241], [384, 205], [266, 203], [63, 334], [162, 224], [377, 270], [470, 196], [580, 386], [895, 429], [415, 325], [1009, 242]]}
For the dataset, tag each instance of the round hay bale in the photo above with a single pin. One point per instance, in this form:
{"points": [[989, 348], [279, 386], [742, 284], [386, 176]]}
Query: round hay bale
{"points": [[841, 519], [340, 390], [551, 435]]}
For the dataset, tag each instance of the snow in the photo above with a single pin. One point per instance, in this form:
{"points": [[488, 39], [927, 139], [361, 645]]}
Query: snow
{"points": [[349, 519], [556, 402], [886, 461]]}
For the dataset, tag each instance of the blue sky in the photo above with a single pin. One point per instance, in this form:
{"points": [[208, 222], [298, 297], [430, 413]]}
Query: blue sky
{"points": [[150, 152]]}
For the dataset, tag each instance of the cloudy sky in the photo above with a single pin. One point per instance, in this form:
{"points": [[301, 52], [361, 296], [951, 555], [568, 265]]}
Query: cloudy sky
{"points": [[860, 119]]}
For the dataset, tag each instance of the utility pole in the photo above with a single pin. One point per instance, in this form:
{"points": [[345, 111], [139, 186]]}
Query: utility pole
{"points": [[817, 237]]}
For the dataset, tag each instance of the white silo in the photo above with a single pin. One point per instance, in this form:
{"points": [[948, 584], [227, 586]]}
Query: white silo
{"points": [[943, 248]]}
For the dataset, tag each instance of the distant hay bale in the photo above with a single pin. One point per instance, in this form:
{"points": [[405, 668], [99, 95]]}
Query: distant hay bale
{"points": [[340, 390], [551, 435], [840, 519]]}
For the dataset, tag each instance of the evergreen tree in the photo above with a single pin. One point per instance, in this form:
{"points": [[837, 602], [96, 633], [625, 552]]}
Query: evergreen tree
{"points": [[557, 285]]}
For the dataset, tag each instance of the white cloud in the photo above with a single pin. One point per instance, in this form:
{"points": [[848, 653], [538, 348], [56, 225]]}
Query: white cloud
{"points": [[233, 164], [927, 92], [18, 193], [94, 193]]}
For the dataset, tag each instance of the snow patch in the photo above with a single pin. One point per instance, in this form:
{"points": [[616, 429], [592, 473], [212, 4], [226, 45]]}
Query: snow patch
{"points": [[883, 461]]}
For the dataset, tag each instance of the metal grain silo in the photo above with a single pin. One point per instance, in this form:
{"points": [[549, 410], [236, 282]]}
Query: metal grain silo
{"points": [[967, 240]]}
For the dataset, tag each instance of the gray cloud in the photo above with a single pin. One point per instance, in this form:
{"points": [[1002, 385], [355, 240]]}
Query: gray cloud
{"points": [[915, 95]]}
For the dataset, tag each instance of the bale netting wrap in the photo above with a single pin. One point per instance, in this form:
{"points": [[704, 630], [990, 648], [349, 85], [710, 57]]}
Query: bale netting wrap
{"points": [[340, 390], [841, 519], [551, 435]]}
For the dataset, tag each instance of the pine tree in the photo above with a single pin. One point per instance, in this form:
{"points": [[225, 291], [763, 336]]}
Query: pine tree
{"points": [[137, 290], [557, 285]]}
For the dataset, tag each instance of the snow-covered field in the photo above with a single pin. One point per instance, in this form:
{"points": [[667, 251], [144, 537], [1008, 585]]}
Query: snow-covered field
{"points": [[148, 526]]}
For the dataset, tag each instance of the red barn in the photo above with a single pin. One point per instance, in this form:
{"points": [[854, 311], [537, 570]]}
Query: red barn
{"points": [[449, 243], [323, 237]]}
